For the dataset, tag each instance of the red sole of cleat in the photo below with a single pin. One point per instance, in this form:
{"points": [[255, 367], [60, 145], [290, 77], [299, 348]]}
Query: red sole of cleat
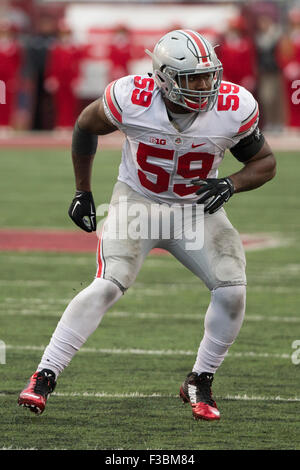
{"points": [[203, 418]]}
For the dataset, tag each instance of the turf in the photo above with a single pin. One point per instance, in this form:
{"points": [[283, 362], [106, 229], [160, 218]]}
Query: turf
{"points": [[121, 389]]}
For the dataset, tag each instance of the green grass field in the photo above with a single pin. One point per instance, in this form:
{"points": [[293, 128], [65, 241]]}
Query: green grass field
{"points": [[121, 389]]}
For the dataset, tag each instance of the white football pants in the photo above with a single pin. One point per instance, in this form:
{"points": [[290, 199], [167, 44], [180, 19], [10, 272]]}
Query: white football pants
{"points": [[219, 263]]}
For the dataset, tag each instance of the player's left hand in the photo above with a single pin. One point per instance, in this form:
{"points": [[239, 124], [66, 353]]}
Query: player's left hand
{"points": [[82, 211], [219, 190]]}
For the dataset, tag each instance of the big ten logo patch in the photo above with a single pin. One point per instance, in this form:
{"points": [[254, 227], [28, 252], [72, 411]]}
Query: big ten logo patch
{"points": [[157, 141]]}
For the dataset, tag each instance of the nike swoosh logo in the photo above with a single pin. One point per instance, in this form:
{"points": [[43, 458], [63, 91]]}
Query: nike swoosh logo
{"points": [[199, 145], [77, 202], [215, 412]]}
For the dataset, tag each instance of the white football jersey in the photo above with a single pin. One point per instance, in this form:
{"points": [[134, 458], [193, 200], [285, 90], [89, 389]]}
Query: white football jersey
{"points": [[160, 162]]}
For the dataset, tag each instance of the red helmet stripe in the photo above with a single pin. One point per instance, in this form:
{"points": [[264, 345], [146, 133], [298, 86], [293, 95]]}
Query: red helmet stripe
{"points": [[200, 44]]}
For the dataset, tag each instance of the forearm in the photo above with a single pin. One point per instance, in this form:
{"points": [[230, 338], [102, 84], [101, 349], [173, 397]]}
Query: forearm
{"points": [[83, 171], [254, 174], [91, 123], [84, 146]]}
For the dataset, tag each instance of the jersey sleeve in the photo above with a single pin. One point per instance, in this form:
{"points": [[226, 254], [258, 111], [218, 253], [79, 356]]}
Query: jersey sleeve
{"points": [[114, 100], [248, 116]]}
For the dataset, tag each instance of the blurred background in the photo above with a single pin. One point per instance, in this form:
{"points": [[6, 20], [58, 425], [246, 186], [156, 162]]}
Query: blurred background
{"points": [[58, 56]]}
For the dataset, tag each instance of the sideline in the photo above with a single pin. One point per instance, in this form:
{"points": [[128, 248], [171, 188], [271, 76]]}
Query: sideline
{"points": [[280, 141]]}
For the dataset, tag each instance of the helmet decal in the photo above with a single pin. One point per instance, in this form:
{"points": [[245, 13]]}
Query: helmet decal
{"points": [[197, 46]]}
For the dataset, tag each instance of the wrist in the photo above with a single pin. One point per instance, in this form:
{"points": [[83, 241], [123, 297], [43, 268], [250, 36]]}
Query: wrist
{"points": [[80, 192], [231, 184], [83, 189]]}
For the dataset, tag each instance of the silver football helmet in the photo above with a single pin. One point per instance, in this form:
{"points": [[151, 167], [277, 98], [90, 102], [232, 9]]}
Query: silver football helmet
{"points": [[178, 55]]}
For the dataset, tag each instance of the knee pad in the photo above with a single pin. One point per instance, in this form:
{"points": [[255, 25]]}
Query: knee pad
{"points": [[102, 292], [232, 300], [225, 313]]}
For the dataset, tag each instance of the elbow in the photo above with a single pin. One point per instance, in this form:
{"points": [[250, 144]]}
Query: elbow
{"points": [[269, 168], [273, 167]]}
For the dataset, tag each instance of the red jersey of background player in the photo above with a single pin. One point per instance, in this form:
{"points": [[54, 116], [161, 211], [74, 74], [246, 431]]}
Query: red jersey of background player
{"points": [[10, 67], [61, 77]]}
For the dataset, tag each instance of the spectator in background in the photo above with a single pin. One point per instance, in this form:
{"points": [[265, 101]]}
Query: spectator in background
{"points": [[10, 69], [289, 60], [120, 52], [267, 37], [237, 53], [37, 49], [62, 75]]}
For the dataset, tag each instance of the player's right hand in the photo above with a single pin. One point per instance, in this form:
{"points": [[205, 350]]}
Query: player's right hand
{"points": [[82, 211]]}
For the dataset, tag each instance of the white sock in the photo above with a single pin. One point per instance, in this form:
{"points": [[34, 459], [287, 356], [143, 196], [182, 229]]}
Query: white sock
{"points": [[222, 324], [63, 346], [80, 319]]}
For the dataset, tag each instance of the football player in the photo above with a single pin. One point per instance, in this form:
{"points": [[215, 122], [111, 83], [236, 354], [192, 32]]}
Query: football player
{"points": [[178, 123]]}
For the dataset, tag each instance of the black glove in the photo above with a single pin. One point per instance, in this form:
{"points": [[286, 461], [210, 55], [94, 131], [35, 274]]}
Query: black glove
{"points": [[219, 189], [82, 211]]}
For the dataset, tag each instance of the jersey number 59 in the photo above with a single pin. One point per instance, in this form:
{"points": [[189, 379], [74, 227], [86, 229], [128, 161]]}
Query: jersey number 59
{"points": [[142, 94], [162, 177], [228, 97]]}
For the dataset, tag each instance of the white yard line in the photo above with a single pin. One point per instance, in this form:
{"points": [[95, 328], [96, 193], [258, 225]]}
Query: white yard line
{"points": [[160, 395], [40, 307], [151, 352], [41, 283], [140, 288]]}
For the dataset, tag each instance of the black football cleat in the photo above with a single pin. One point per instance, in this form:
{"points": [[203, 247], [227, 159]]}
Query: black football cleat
{"points": [[35, 394], [196, 390]]}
